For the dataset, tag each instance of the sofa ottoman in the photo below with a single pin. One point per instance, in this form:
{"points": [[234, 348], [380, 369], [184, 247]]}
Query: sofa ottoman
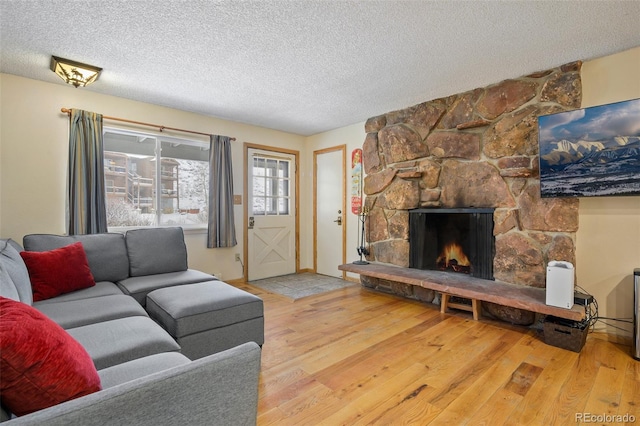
{"points": [[207, 317]]}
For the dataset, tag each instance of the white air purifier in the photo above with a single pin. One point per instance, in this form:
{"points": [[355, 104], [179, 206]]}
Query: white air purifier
{"points": [[560, 281]]}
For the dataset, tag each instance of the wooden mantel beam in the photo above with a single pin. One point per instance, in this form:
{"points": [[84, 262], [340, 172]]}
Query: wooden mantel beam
{"points": [[516, 296]]}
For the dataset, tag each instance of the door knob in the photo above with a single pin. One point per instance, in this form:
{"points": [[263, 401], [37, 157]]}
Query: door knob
{"points": [[339, 220]]}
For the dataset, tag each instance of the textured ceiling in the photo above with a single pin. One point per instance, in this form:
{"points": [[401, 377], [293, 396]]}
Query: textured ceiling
{"points": [[306, 66]]}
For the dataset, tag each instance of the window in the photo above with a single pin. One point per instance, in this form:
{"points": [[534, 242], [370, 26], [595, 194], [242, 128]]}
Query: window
{"points": [[270, 186], [155, 180]]}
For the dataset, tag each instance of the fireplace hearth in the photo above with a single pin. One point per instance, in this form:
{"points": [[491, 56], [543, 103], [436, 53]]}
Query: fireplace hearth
{"points": [[452, 240]]}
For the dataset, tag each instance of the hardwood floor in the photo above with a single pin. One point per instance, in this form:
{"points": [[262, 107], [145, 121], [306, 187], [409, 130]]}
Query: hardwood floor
{"points": [[355, 357]]}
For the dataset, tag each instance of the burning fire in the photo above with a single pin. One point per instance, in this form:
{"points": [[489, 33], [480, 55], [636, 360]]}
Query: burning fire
{"points": [[452, 255]]}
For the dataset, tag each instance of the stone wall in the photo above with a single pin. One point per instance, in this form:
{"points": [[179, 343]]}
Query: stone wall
{"points": [[474, 149]]}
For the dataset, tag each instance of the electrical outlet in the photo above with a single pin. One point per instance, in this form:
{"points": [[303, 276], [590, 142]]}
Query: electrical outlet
{"points": [[237, 257]]}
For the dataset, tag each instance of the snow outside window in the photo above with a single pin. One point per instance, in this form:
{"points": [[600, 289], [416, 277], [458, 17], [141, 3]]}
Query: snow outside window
{"points": [[155, 180], [271, 178]]}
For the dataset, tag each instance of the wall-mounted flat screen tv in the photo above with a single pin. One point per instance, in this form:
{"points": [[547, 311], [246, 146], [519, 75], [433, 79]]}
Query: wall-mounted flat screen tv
{"points": [[591, 151]]}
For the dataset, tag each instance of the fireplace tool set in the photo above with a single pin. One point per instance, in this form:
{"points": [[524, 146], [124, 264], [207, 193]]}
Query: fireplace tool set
{"points": [[362, 250]]}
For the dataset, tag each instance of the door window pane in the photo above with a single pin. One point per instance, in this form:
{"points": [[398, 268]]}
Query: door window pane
{"points": [[270, 186], [271, 167]]}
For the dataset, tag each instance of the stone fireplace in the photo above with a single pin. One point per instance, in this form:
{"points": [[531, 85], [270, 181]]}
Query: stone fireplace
{"points": [[477, 149], [452, 240]]}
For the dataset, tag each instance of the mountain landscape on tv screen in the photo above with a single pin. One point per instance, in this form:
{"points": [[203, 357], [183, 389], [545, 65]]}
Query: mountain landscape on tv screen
{"points": [[590, 152]]}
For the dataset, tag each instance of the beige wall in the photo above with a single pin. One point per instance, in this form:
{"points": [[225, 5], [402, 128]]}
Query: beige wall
{"points": [[608, 238], [34, 139]]}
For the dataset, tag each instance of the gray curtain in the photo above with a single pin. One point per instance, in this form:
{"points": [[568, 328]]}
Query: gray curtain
{"points": [[87, 213], [222, 229]]}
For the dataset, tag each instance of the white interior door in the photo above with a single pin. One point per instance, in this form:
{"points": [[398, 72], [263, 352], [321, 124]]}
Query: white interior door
{"points": [[271, 235], [330, 210]]}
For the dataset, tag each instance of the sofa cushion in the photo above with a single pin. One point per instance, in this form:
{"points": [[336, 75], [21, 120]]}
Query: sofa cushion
{"points": [[76, 313], [156, 251], [131, 370], [121, 340], [106, 253], [138, 287], [17, 270], [58, 271], [41, 365], [7, 288], [102, 288]]}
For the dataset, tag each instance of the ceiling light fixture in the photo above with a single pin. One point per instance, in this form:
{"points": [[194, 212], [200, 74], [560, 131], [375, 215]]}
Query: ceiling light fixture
{"points": [[73, 72]]}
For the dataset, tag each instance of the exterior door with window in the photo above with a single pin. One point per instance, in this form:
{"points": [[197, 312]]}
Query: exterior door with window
{"points": [[272, 218]]}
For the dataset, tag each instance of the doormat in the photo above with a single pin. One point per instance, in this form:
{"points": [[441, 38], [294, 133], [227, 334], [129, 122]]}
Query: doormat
{"points": [[296, 286]]}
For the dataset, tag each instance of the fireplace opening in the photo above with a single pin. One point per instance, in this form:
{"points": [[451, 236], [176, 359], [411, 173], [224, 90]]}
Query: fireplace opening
{"points": [[452, 240]]}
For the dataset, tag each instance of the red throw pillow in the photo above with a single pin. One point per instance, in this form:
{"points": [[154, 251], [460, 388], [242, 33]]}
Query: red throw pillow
{"points": [[58, 271], [41, 365]]}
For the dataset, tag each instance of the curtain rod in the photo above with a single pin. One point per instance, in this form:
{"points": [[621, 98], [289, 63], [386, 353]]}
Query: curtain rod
{"points": [[157, 126]]}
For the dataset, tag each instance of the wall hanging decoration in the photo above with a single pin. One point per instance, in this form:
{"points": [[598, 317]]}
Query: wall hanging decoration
{"points": [[591, 151], [356, 202], [356, 181]]}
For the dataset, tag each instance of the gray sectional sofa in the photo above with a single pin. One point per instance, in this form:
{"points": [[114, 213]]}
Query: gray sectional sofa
{"points": [[145, 379]]}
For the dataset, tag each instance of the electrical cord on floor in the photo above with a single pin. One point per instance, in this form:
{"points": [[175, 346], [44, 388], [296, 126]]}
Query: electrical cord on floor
{"points": [[593, 317], [627, 320], [614, 326]]}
